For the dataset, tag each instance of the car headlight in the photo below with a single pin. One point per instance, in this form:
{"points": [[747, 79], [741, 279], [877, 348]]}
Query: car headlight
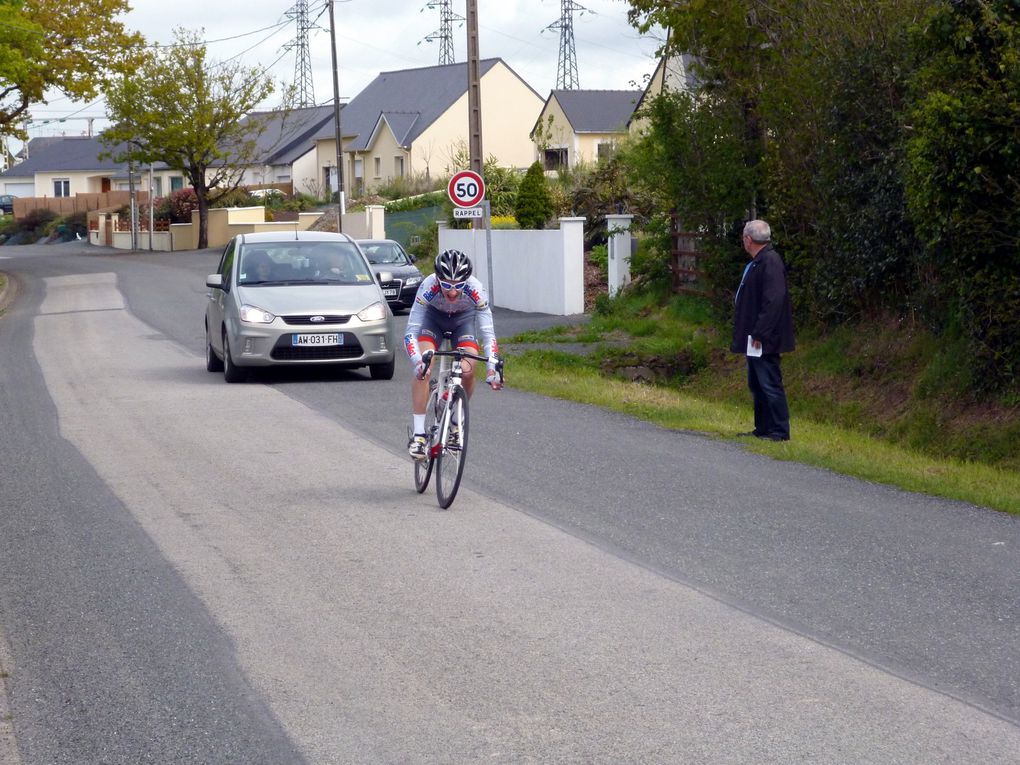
{"points": [[413, 280], [255, 315], [375, 312]]}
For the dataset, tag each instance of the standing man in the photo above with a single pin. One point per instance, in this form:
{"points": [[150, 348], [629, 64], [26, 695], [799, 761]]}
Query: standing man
{"points": [[763, 329]]}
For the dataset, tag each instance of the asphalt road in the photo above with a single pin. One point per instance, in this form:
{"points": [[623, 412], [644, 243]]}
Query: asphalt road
{"points": [[197, 572]]}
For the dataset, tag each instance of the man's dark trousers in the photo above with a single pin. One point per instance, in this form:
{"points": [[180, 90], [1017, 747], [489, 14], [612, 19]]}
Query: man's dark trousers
{"points": [[771, 413]]}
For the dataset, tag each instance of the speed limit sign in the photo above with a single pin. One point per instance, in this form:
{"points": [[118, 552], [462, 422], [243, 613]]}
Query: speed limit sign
{"points": [[466, 188]]}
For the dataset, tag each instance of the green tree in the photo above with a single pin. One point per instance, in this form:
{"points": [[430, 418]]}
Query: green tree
{"points": [[192, 114], [963, 180], [804, 101], [534, 205], [73, 46]]}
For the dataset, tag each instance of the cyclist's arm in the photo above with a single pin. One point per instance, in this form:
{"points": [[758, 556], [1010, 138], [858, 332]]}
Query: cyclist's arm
{"points": [[483, 318], [416, 316]]}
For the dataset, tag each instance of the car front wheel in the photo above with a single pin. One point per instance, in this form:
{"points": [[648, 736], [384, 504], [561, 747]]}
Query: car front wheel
{"points": [[213, 363], [382, 371], [231, 372]]}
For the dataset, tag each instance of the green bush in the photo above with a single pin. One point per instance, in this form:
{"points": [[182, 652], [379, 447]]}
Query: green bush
{"points": [[235, 198], [599, 256], [406, 186], [534, 206], [37, 224], [426, 248], [177, 207], [431, 199], [963, 151]]}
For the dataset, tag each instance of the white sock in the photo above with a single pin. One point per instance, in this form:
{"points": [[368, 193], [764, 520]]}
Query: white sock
{"points": [[419, 423]]}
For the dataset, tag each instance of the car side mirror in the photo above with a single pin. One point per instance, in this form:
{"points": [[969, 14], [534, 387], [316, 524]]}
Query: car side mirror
{"points": [[384, 276], [215, 281]]}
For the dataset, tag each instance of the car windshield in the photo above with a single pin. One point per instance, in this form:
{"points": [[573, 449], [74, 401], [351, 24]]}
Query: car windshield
{"points": [[379, 253], [297, 262]]}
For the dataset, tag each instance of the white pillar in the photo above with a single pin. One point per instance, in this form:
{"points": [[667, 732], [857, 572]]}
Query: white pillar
{"points": [[618, 227], [572, 234], [375, 221]]}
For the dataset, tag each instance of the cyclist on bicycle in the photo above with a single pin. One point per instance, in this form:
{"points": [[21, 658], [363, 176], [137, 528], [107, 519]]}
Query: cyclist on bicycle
{"points": [[450, 300]]}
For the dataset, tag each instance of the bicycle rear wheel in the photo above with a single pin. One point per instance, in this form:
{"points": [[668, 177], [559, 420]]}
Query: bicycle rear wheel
{"points": [[423, 468], [452, 456]]}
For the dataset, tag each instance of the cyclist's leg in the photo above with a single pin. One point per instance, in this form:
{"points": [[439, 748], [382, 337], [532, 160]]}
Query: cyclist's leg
{"points": [[420, 388], [429, 337], [465, 338], [420, 395]]}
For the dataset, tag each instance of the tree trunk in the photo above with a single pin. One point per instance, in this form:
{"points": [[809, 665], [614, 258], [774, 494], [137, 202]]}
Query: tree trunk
{"points": [[203, 218]]}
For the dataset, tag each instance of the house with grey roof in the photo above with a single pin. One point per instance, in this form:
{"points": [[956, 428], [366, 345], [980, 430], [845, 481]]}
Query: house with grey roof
{"points": [[414, 122], [581, 126], [673, 73], [62, 166], [286, 149]]}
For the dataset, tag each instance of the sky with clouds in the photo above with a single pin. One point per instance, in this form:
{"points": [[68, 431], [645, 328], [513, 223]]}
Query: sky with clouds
{"points": [[374, 36]]}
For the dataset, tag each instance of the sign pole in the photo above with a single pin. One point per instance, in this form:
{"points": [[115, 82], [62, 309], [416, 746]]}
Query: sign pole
{"points": [[488, 247]]}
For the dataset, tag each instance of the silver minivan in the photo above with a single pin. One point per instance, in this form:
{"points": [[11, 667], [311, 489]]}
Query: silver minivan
{"points": [[296, 298]]}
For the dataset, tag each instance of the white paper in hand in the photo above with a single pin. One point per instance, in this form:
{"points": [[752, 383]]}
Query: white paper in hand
{"points": [[751, 350]]}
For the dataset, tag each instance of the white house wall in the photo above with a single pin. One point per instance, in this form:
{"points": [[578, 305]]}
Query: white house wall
{"points": [[509, 110], [386, 150], [306, 175]]}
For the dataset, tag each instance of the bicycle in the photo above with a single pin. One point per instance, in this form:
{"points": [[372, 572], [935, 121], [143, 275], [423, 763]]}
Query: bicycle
{"points": [[446, 447]]}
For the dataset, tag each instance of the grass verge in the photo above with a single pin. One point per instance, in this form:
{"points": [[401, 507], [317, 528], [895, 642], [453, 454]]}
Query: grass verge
{"points": [[842, 450]]}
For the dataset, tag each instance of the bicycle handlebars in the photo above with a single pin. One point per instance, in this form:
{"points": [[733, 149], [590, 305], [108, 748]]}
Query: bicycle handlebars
{"points": [[459, 353]]}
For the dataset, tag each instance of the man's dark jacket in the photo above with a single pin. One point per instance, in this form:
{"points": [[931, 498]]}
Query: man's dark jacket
{"points": [[763, 308]]}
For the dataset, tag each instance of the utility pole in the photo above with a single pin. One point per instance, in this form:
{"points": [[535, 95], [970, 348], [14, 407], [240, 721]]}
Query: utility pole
{"points": [[152, 211], [474, 89], [475, 127], [336, 122], [134, 206]]}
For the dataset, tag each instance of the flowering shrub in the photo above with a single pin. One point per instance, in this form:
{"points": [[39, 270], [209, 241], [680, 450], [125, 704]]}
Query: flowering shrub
{"points": [[177, 207]]}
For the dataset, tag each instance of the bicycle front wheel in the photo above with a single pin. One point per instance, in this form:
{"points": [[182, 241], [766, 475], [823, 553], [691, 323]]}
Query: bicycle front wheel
{"points": [[453, 451], [423, 468]]}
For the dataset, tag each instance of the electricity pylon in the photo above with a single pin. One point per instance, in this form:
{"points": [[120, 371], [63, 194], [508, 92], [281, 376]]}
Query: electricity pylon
{"points": [[566, 66], [302, 60], [445, 33]]}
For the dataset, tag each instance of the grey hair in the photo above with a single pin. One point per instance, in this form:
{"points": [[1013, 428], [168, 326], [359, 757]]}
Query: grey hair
{"points": [[758, 230]]}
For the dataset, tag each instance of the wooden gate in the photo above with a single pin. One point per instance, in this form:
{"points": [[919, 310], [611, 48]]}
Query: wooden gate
{"points": [[686, 260]]}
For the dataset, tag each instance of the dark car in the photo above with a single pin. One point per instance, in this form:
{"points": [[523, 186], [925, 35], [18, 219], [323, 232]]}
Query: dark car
{"points": [[7, 203], [387, 255]]}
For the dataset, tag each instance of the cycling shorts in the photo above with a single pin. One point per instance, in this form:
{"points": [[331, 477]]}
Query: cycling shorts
{"points": [[461, 327]]}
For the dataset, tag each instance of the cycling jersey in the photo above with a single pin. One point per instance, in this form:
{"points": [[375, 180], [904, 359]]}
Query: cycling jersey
{"points": [[432, 314]]}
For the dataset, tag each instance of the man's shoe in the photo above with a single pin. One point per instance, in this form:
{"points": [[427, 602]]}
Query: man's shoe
{"points": [[774, 437], [453, 440], [416, 446]]}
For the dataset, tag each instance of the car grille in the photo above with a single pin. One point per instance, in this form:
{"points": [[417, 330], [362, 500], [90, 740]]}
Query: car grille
{"points": [[284, 351], [307, 320], [398, 283]]}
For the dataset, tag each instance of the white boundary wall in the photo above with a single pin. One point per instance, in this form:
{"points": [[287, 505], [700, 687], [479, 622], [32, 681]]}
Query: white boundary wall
{"points": [[533, 271]]}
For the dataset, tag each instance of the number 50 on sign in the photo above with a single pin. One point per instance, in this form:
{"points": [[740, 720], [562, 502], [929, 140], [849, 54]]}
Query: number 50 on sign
{"points": [[466, 188]]}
